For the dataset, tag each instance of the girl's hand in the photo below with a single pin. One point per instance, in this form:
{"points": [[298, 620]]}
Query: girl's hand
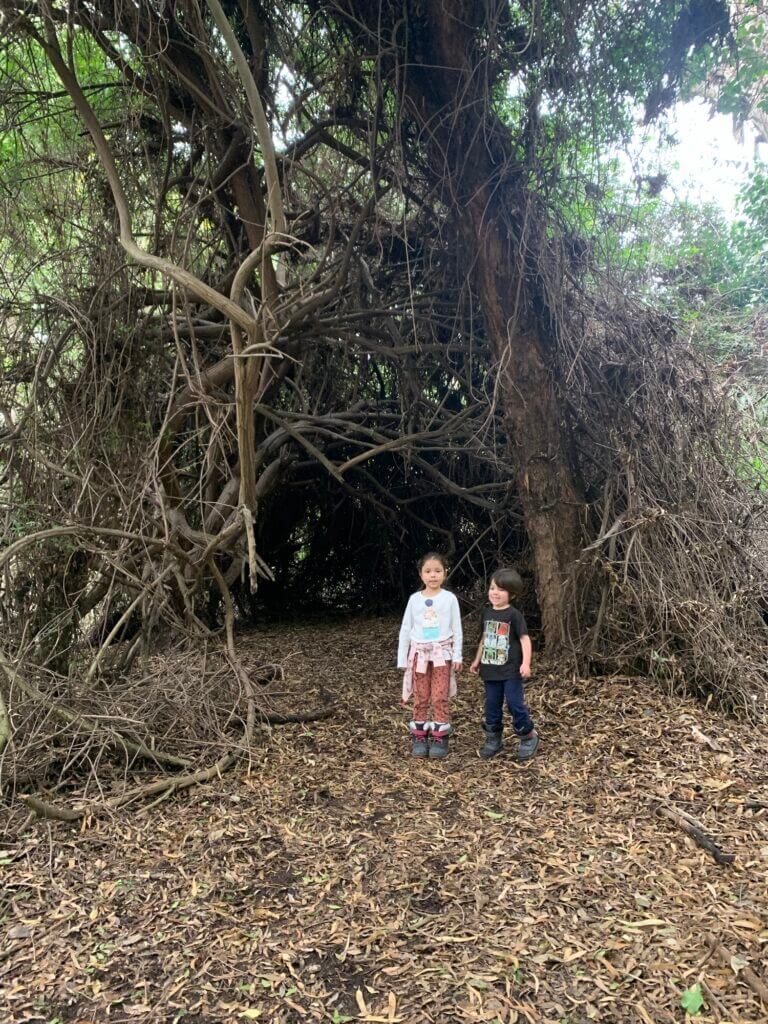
{"points": [[525, 671], [474, 668], [457, 665]]}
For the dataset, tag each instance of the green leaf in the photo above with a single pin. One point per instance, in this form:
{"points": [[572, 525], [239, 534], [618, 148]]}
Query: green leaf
{"points": [[495, 815], [692, 1000]]}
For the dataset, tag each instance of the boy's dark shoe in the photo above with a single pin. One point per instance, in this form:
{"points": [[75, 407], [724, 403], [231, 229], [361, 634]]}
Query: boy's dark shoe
{"points": [[492, 745], [528, 745], [420, 745], [439, 741]]}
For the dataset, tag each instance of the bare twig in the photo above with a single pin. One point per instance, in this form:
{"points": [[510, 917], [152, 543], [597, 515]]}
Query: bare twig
{"points": [[694, 829]]}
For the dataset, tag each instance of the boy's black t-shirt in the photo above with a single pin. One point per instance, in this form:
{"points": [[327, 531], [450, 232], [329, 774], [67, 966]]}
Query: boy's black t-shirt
{"points": [[502, 655]]}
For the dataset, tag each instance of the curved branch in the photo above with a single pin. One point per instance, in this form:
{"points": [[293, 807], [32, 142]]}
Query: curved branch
{"points": [[99, 531], [122, 621], [5, 724], [274, 197], [182, 277]]}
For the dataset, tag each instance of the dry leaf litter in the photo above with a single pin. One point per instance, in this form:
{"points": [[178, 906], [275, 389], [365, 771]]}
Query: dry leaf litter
{"points": [[335, 879]]}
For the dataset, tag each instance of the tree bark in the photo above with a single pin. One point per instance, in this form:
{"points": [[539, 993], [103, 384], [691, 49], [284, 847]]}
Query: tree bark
{"points": [[550, 498], [446, 85]]}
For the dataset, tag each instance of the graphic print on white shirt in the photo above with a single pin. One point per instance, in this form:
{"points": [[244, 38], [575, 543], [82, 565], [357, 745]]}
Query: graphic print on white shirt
{"points": [[495, 643], [431, 623], [429, 620]]}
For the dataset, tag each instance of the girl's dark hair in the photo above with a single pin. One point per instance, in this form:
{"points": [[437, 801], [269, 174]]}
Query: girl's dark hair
{"points": [[509, 580], [428, 558]]}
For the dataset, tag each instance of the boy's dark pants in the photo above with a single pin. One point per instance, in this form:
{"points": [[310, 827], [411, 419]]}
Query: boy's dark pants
{"points": [[511, 690]]}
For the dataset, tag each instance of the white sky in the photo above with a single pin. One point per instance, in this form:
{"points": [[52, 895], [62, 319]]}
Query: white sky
{"points": [[708, 163]]}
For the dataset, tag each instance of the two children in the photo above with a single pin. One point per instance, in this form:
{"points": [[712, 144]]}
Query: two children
{"points": [[430, 652]]}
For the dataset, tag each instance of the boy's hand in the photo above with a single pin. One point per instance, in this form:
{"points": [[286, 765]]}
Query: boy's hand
{"points": [[525, 671], [474, 668]]}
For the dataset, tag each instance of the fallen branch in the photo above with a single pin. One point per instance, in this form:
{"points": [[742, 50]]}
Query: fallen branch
{"points": [[695, 830], [43, 809], [275, 718], [111, 736], [51, 811]]}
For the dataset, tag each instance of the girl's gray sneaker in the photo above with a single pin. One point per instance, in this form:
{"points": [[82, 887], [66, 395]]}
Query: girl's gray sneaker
{"points": [[420, 746], [439, 745], [492, 745], [528, 745]]}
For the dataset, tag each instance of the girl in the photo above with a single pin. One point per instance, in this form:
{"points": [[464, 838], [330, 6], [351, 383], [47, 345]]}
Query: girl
{"points": [[430, 653], [503, 660]]}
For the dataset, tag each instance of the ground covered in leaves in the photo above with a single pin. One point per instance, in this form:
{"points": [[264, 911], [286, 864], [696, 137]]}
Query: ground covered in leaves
{"points": [[337, 880]]}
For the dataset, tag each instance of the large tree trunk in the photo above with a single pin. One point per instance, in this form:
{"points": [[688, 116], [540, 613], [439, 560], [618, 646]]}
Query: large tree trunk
{"points": [[447, 86], [551, 501]]}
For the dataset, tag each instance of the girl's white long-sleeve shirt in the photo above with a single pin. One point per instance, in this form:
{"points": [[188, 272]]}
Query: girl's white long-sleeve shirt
{"points": [[430, 619]]}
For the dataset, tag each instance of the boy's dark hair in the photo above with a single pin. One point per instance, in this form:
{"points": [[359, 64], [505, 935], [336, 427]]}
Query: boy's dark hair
{"points": [[428, 558], [509, 580]]}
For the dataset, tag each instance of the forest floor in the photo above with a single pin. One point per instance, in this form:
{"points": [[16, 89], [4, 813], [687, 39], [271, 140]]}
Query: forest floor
{"points": [[336, 879]]}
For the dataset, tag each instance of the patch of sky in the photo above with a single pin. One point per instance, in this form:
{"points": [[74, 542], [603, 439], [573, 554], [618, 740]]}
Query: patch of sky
{"points": [[698, 153]]}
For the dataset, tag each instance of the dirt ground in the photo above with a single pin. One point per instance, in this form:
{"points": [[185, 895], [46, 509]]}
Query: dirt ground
{"points": [[335, 879]]}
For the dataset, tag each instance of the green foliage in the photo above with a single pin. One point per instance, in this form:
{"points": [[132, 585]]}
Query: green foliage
{"points": [[708, 271], [733, 72], [692, 1001]]}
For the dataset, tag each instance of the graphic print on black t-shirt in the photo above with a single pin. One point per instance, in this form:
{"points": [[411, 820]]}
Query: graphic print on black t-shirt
{"points": [[495, 643], [501, 652]]}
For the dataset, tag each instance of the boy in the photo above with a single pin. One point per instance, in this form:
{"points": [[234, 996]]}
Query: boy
{"points": [[504, 659]]}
